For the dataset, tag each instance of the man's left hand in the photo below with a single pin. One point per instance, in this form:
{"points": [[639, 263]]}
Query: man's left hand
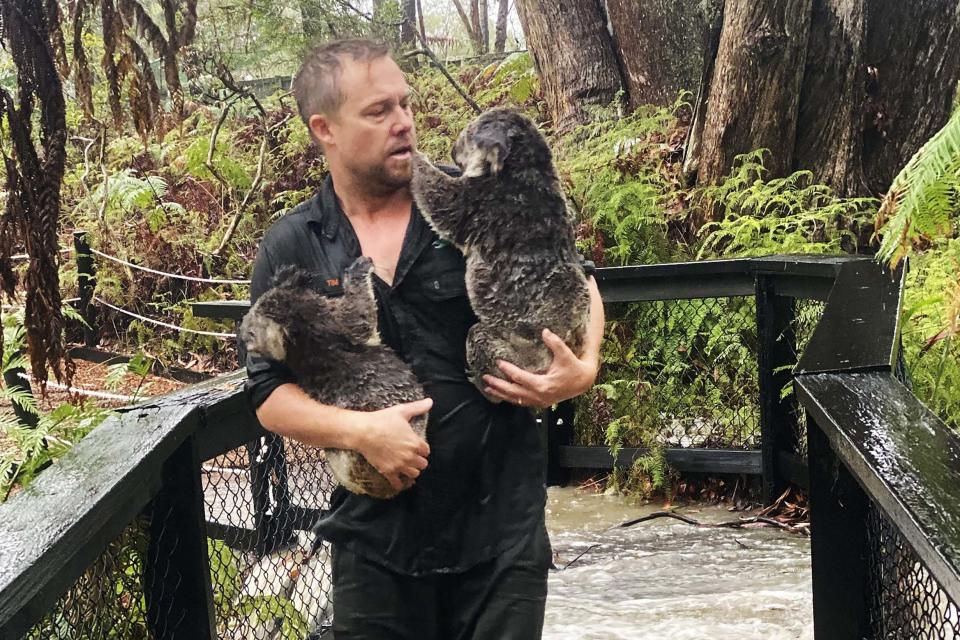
{"points": [[568, 376]]}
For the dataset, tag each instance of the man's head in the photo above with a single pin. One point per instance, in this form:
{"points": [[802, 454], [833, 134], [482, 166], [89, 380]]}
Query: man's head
{"points": [[355, 101]]}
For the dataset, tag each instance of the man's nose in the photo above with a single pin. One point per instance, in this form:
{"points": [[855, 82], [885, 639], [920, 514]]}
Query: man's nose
{"points": [[403, 122]]}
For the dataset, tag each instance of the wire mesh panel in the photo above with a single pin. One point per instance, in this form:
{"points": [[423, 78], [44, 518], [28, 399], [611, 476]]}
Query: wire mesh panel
{"points": [[680, 372], [111, 600], [270, 573], [906, 602]]}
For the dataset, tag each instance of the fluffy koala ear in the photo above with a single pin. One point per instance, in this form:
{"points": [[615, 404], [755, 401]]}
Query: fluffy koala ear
{"points": [[291, 277], [491, 146]]}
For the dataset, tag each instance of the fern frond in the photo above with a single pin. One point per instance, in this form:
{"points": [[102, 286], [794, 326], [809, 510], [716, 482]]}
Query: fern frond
{"points": [[925, 196]]}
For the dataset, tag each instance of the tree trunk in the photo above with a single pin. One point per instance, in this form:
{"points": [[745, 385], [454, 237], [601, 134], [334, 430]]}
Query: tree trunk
{"points": [[912, 59], [407, 35], [483, 26], [755, 89], [661, 44], [830, 122], [573, 55], [500, 38]]}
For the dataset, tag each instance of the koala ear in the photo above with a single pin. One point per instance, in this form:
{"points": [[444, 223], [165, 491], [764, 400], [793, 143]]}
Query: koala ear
{"points": [[491, 146], [291, 277]]}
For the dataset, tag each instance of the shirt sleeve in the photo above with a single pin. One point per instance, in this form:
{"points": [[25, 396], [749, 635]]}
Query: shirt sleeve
{"points": [[263, 375]]}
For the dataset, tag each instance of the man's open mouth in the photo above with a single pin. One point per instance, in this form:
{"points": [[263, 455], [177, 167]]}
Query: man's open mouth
{"points": [[402, 153]]}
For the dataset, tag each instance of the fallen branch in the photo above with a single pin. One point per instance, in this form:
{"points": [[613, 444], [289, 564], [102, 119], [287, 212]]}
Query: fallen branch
{"points": [[741, 523]]}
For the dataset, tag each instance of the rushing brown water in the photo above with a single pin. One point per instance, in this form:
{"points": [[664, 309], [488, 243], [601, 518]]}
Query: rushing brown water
{"points": [[666, 580]]}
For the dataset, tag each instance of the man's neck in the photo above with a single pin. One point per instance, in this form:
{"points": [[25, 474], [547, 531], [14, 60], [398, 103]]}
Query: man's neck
{"points": [[359, 203]]}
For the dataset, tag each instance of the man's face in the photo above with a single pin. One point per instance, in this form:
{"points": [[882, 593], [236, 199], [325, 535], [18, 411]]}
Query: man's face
{"points": [[372, 135]]}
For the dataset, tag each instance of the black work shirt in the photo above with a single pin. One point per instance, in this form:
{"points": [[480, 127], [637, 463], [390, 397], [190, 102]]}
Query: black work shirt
{"points": [[482, 492]]}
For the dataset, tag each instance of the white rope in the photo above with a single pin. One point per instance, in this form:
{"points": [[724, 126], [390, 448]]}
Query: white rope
{"points": [[85, 392], [25, 256], [215, 334], [164, 273]]}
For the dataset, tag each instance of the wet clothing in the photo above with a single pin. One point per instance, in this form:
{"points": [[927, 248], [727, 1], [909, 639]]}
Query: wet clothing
{"points": [[482, 492], [500, 599]]}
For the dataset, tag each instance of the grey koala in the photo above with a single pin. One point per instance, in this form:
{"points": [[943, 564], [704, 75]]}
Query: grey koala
{"points": [[333, 348], [508, 216]]}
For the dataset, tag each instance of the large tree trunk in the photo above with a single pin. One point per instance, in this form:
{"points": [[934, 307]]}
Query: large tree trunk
{"points": [[912, 62], [661, 46], [830, 124], [500, 38], [483, 26], [573, 55], [756, 85]]}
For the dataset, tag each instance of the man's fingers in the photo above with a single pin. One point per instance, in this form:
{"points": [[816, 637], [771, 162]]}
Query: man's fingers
{"points": [[416, 408], [424, 450], [395, 481], [516, 374], [556, 345]]}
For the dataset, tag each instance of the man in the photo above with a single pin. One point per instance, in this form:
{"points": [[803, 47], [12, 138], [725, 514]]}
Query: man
{"points": [[463, 553]]}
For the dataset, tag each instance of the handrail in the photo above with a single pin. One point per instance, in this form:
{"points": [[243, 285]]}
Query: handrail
{"points": [[99, 486], [902, 456]]}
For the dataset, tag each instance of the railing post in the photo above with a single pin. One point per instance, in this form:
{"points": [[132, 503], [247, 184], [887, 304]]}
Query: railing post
{"points": [[86, 282], [559, 433], [176, 575], [13, 380], [271, 499], [838, 545], [775, 359]]}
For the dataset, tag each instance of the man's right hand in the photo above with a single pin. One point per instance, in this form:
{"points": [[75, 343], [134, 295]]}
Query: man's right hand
{"points": [[387, 441]]}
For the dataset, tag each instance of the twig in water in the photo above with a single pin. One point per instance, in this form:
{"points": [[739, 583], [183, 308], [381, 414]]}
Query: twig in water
{"points": [[582, 553]]}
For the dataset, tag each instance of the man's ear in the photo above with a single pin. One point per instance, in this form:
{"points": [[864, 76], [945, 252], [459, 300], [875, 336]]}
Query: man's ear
{"points": [[319, 126]]}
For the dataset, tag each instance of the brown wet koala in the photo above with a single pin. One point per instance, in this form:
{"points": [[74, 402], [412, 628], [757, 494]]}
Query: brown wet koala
{"points": [[508, 216], [332, 346]]}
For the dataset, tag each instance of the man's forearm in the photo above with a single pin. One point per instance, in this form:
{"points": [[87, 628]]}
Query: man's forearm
{"points": [[288, 411], [594, 337]]}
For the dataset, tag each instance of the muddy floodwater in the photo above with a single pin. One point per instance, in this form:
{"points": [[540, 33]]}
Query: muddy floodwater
{"points": [[664, 579]]}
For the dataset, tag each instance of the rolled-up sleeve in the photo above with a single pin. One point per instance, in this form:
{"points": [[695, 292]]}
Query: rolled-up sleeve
{"points": [[263, 375]]}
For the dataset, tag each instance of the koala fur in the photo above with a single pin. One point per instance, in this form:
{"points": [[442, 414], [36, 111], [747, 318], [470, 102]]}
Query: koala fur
{"points": [[333, 348], [508, 216]]}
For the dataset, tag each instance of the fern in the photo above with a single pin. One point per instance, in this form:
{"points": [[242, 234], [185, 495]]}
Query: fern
{"points": [[777, 216], [924, 200]]}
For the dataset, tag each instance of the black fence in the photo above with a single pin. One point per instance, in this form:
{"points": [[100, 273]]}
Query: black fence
{"points": [[181, 518]]}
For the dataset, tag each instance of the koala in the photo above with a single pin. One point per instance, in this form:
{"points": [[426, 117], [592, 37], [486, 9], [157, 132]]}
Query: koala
{"points": [[333, 348], [508, 216]]}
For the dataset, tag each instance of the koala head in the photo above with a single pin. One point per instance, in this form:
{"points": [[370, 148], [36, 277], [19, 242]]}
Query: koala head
{"points": [[292, 320], [497, 139]]}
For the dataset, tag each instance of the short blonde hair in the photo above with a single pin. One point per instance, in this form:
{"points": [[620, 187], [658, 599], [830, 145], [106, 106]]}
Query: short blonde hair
{"points": [[316, 85]]}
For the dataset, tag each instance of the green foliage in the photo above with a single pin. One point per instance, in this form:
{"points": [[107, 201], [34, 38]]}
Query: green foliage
{"points": [[757, 217], [931, 326], [924, 199], [56, 431]]}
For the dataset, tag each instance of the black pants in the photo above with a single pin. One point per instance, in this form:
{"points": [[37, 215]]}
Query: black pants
{"points": [[502, 599]]}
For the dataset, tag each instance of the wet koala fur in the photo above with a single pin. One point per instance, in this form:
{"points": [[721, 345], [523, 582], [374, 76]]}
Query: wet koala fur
{"points": [[508, 216], [333, 349]]}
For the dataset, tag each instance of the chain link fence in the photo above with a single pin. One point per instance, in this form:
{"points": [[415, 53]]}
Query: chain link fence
{"points": [[906, 602], [677, 373], [111, 599], [270, 573]]}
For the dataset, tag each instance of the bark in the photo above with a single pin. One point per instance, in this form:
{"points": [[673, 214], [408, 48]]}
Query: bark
{"points": [[694, 143], [912, 58], [661, 44], [755, 88], [500, 37], [830, 122], [573, 55], [483, 26], [407, 33]]}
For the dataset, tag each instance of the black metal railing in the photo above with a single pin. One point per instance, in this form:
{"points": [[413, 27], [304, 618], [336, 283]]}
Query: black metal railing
{"points": [[182, 518]]}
